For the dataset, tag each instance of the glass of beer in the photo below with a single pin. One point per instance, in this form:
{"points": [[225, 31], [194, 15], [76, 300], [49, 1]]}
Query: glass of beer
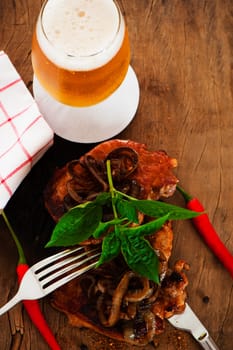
{"points": [[83, 82]]}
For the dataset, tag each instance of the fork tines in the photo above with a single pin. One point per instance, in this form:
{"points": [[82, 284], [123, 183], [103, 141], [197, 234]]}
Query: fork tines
{"points": [[64, 266]]}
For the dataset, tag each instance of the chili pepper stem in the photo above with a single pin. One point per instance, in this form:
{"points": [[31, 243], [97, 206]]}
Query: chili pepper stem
{"points": [[186, 195], [22, 259], [32, 307]]}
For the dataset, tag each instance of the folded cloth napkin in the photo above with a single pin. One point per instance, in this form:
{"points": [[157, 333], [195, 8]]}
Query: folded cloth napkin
{"points": [[24, 134]]}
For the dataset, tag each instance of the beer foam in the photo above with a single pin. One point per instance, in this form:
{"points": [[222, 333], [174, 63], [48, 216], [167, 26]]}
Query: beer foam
{"points": [[80, 34]]}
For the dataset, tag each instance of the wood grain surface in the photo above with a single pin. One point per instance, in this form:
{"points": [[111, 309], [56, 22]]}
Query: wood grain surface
{"points": [[182, 53]]}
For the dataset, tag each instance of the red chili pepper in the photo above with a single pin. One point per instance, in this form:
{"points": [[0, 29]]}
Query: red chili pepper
{"points": [[207, 231], [32, 306]]}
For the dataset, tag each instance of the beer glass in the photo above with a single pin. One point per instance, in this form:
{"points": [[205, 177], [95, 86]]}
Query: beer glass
{"points": [[83, 82]]}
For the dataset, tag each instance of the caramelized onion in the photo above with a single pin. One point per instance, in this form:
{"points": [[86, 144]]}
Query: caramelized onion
{"points": [[74, 167], [117, 300], [88, 282], [128, 331], [105, 286], [85, 183], [73, 191], [139, 294], [97, 169], [131, 310], [149, 319], [88, 176], [124, 160]]}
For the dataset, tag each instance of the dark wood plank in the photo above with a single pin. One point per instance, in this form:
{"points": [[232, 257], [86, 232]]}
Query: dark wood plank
{"points": [[182, 53]]}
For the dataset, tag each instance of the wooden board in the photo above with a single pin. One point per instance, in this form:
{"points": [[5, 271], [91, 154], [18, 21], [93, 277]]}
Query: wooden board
{"points": [[182, 53]]}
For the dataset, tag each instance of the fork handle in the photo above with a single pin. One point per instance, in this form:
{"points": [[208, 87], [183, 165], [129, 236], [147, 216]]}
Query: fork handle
{"points": [[208, 344], [15, 300], [34, 312]]}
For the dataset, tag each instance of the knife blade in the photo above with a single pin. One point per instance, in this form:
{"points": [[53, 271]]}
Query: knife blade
{"points": [[188, 321]]}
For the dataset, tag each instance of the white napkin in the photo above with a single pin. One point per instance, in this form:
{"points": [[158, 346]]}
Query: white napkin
{"points": [[24, 134]]}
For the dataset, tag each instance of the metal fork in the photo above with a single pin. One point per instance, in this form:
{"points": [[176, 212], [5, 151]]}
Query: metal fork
{"points": [[52, 272]]}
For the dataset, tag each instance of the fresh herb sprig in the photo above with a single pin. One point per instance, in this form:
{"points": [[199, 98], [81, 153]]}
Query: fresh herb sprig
{"points": [[123, 234]]}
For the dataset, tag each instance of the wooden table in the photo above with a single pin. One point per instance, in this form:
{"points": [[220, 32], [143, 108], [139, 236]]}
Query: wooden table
{"points": [[182, 53]]}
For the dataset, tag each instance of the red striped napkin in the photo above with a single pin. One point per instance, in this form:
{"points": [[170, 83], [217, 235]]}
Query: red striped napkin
{"points": [[24, 134]]}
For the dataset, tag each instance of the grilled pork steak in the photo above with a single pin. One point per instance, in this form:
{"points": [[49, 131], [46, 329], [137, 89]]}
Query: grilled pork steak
{"points": [[113, 300], [143, 173]]}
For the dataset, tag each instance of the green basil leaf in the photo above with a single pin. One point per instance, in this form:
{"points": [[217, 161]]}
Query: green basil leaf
{"points": [[127, 210], [85, 220], [146, 229], [111, 247], [103, 198], [76, 225], [140, 257], [157, 209], [104, 226]]}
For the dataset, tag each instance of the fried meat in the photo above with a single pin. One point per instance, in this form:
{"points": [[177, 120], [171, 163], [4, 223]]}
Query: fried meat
{"points": [[151, 178], [111, 299]]}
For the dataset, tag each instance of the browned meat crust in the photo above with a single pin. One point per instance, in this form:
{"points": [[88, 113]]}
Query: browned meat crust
{"points": [[117, 303], [112, 300], [153, 175]]}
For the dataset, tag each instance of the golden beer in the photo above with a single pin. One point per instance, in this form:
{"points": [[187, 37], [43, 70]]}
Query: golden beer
{"points": [[80, 50]]}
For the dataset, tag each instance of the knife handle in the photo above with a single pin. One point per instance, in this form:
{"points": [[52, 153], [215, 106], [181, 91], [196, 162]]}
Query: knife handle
{"points": [[208, 344]]}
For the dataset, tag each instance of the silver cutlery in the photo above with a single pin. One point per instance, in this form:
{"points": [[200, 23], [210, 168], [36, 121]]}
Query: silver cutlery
{"points": [[188, 321], [51, 273]]}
